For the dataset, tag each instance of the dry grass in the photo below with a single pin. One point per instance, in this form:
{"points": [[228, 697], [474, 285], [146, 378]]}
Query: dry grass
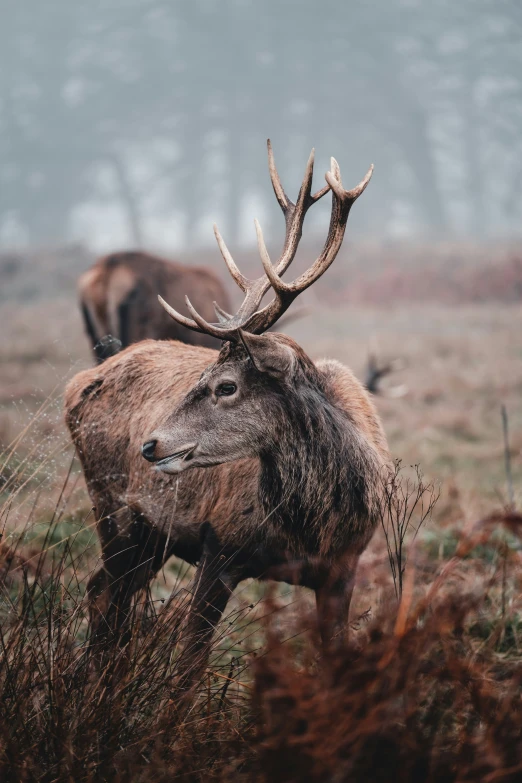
{"points": [[426, 690]]}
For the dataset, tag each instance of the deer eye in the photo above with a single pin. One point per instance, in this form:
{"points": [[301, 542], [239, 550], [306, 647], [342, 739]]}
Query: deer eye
{"points": [[226, 389]]}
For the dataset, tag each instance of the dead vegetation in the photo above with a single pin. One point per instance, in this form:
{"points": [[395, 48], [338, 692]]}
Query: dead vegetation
{"points": [[415, 700], [426, 689]]}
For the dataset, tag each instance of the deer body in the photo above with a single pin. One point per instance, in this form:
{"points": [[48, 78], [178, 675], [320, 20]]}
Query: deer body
{"points": [[263, 462], [118, 297], [301, 497]]}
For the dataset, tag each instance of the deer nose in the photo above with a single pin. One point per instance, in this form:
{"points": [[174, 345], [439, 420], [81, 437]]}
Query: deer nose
{"points": [[148, 450]]}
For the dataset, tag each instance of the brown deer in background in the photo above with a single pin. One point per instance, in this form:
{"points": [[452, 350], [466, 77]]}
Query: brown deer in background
{"points": [[281, 457], [118, 297]]}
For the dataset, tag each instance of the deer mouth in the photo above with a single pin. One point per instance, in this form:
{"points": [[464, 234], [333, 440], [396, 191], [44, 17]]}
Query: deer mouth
{"points": [[178, 460]]}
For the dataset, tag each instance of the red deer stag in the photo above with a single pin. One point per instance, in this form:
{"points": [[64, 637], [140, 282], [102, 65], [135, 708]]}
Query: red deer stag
{"points": [[281, 457], [118, 297]]}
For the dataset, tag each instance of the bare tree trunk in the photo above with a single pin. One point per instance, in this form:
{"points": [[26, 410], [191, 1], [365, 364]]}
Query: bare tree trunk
{"points": [[475, 194], [235, 180], [413, 137], [129, 200]]}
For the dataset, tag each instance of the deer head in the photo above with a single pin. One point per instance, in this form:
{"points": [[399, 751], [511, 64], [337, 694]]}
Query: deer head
{"points": [[232, 412]]}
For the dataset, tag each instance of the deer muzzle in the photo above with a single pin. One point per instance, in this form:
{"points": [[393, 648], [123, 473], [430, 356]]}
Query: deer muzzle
{"points": [[171, 463]]}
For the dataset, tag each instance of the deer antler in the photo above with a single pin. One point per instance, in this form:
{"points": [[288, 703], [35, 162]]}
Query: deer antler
{"points": [[249, 317]]}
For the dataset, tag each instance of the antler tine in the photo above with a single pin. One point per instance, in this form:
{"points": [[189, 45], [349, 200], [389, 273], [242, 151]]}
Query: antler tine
{"points": [[270, 272], [181, 319], [347, 197], [198, 324], [240, 279], [284, 202], [335, 171], [279, 191], [304, 196], [220, 332], [294, 213], [324, 190], [342, 201], [223, 316]]}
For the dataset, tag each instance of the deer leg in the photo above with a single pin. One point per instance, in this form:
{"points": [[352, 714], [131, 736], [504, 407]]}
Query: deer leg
{"points": [[125, 319], [90, 328], [333, 598], [214, 581], [130, 560]]}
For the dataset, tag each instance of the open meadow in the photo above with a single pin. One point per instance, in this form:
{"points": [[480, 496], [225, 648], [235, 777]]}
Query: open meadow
{"points": [[428, 686]]}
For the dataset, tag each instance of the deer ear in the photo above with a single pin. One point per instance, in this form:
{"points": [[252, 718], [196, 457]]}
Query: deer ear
{"points": [[268, 355]]}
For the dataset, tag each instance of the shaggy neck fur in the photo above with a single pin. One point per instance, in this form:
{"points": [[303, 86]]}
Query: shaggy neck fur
{"points": [[320, 476]]}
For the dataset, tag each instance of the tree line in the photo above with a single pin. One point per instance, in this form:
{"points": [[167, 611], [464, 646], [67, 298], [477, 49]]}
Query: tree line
{"points": [[162, 110]]}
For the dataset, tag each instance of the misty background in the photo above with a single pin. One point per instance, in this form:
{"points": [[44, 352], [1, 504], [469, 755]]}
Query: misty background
{"points": [[140, 122]]}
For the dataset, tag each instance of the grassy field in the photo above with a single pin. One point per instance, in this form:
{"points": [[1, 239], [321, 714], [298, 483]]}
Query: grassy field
{"points": [[429, 691]]}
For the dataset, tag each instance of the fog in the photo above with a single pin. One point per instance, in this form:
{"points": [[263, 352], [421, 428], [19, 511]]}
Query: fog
{"points": [[140, 122]]}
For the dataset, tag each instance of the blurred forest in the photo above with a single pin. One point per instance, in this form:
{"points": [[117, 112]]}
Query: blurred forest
{"points": [[141, 121]]}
